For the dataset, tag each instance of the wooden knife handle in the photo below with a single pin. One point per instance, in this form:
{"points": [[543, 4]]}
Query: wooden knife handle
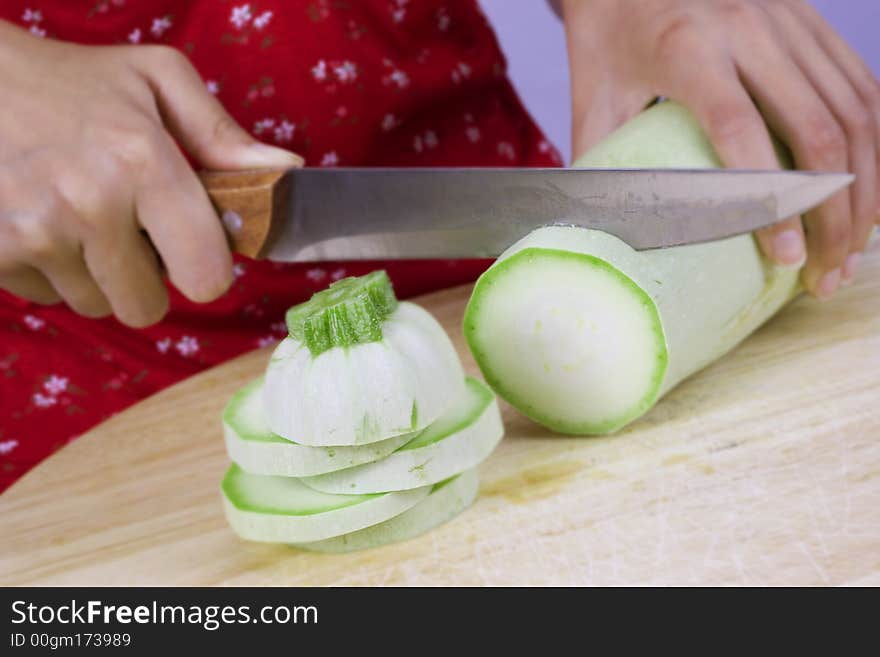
{"points": [[249, 204]]}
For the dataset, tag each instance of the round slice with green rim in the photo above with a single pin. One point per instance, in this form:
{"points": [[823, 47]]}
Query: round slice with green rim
{"points": [[251, 444], [460, 439], [367, 391], [583, 334], [284, 510], [447, 500]]}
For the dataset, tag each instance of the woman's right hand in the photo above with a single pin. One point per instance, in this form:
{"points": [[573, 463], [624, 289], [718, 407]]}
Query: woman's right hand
{"points": [[93, 186]]}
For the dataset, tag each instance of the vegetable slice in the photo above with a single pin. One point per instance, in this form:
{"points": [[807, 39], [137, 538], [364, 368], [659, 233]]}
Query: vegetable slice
{"points": [[447, 500], [284, 510], [367, 392], [583, 334], [463, 437], [252, 445]]}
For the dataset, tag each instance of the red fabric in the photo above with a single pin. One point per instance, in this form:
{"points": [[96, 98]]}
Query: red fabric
{"points": [[367, 83]]}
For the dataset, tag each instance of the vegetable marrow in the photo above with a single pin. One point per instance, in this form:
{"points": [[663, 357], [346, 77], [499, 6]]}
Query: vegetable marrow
{"points": [[583, 334], [447, 500], [252, 445], [284, 510], [463, 437], [359, 368]]}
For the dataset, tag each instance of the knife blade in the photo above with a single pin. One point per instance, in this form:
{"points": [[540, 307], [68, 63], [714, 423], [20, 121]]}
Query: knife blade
{"points": [[317, 214]]}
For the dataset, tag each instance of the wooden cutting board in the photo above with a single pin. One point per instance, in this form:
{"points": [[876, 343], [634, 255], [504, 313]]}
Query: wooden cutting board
{"points": [[762, 469]]}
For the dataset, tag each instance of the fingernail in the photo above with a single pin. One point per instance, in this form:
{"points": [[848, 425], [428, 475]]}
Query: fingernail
{"points": [[850, 267], [788, 248], [827, 285], [259, 154]]}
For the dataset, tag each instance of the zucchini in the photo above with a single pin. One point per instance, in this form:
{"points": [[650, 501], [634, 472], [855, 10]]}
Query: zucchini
{"points": [[447, 499], [462, 438], [583, 334], [252, 445], [284, 510], [359, 368]]}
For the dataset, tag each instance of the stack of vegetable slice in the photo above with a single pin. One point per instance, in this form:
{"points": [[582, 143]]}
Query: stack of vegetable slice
{"points": [[364, 430]]}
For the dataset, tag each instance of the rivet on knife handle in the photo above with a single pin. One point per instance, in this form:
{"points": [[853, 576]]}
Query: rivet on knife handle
{"points": [[246, 202]]}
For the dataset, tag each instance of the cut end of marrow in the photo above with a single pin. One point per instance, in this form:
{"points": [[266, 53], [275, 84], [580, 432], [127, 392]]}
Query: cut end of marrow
{"points": [[566, 337], [351, 311]]}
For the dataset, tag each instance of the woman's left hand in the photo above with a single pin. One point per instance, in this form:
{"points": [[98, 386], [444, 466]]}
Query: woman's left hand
{"points": [[732, 62]]}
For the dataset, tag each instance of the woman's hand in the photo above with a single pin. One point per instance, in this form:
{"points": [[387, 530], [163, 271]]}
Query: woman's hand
{"points": [[730, 62], [93, 185]]}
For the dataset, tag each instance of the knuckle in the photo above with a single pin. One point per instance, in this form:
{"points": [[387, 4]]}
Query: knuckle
{"points": [[742, 14], [674, 34], [730, 121], [858, 121], [135, 149], [824, 141], [166, 56]]}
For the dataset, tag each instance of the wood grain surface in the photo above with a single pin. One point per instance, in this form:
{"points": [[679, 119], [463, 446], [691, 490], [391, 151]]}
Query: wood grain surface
{"points": [[762, 469]]}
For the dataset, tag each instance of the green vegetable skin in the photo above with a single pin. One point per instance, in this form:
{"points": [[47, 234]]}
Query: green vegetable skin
{"points": [[447, 500], [583, 334], [461, 439]]}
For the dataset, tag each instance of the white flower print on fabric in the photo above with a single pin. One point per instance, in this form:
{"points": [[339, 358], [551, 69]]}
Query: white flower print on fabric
{"points": [[505, 149], [427, 139], [330, 159], [241, 16], [238, 270], [398, 10], [36, 30], [55, 384], [346, 72], [461, 72], [397, 78], [7, 446], [33, 323], [338, 274], [319, 71], [263, 125], [43, 401], [213, 87], [283, 132], [472, 132], [135, 35], [160, 26], [316, 274], [443, 19], [389, 122], [279, 327], [163, 345], [187, 346], [262, 20], [266, 340], [32, 16]]}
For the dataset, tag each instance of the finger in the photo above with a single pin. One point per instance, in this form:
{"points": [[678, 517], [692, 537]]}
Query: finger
{"points": [[855, 68], [72, 280], [126, 269], [198, 121], [174, 209], [842, 98], [599, 110], [715, 94], [796, 112], [28, 283]]}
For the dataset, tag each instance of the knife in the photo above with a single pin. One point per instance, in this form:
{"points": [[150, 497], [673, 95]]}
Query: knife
{"points": [[315, 214]]}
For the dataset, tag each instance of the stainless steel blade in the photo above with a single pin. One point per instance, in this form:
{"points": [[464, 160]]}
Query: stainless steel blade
{"points": [[364, 214]]}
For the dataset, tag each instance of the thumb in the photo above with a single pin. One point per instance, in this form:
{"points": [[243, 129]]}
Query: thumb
{"points": [[199, 122]]}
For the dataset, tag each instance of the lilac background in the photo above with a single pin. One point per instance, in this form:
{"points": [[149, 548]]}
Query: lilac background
{"points": [[534, 42]]}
